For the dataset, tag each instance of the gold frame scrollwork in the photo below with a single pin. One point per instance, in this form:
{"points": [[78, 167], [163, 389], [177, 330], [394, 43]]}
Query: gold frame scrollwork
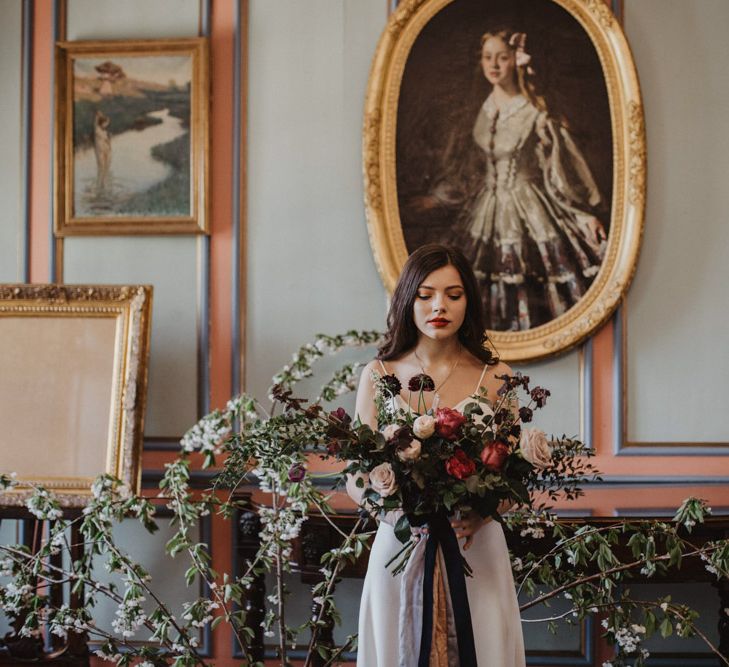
{"points": [[629, 171], [129, 309]]}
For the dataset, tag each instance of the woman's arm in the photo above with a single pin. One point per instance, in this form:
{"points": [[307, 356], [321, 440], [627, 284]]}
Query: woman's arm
{"points": [[365, 411]]}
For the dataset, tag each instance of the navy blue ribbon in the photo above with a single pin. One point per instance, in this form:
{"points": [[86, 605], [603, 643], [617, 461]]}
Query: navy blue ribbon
{"points": [[441, 534]]}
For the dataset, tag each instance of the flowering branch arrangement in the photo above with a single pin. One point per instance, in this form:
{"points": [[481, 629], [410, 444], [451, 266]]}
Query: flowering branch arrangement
{"points": [[270, 447]]}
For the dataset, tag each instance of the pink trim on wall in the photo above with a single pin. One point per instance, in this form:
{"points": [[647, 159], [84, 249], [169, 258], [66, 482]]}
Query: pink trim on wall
{"points": [[41, 150]]}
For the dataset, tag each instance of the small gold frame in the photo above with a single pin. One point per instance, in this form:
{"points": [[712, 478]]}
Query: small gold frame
{"points": [[67, 222], [629, 172], [73, 386]]}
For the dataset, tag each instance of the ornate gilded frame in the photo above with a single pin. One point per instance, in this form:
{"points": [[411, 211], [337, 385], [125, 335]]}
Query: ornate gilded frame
{"points": [[629, 171], [66, 222], [105, 358]]}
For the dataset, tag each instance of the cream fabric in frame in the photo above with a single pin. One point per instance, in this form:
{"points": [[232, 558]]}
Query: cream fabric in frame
{"points": [[73, 376]]}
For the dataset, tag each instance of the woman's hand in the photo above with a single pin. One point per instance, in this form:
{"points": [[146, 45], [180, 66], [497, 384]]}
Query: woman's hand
{"points": [[467, 526]]}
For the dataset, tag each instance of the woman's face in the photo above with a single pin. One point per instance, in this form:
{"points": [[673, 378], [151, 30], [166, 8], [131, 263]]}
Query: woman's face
{"points": [[498, 62], [440, 303]]}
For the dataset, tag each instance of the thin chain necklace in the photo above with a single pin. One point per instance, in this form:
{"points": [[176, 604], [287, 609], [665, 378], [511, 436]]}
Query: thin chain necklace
{"points": [[453, 367]]}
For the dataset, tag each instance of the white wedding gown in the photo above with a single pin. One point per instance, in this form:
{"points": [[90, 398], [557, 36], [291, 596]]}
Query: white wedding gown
{"points": [[491, 597]]}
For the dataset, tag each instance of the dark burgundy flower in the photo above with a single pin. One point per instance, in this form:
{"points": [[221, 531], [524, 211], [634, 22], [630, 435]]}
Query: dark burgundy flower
{"points": [[501, 415], [494, 455], [525, 414], [391, 383], [459, 465], [512, 382], [334, 447], [338, 426], [421, 381], [340, 414], [539, 396], [448, 423], [297, 472], [402, 437], [515, 431]]}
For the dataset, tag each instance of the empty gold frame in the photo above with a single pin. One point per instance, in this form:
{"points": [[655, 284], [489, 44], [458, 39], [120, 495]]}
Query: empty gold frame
{"points": [[425, 89], [73, 381]]}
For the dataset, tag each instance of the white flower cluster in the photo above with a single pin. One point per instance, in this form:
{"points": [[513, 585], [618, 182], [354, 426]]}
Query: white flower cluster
{"points": [[301, 366], [107, 653], [208, 434], [6, 567], [105, 487], [242, 405], [198, 613], [65, 619], [710, 568], [14, 598], [129, 616], [628, 639], [534, 527], [43, 505]]}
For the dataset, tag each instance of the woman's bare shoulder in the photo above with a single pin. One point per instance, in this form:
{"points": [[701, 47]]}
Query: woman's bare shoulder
{"points": [[501, 368]]}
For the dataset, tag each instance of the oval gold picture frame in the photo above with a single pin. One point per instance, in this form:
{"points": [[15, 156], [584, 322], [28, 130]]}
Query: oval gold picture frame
{"points": [[628, 180]]}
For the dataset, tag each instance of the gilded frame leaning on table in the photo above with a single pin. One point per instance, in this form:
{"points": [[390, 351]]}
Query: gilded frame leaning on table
{"points": [[73, 382]]}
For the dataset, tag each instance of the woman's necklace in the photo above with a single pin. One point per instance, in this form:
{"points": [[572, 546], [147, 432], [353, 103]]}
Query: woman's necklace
{"points": [[436, 395]]}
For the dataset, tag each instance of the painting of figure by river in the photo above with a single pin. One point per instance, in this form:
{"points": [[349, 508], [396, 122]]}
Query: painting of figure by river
{"points": [[131, 136]]}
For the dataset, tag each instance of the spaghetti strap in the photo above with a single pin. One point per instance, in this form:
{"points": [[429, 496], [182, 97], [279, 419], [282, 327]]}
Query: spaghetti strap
{"points": [[383, 367], [483, 372]]}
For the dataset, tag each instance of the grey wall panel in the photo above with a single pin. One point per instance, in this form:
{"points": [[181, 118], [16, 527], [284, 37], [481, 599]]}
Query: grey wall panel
{"points": [[11, 235], [561, 375], [310, 267], [168, 264], [132, 19], [677, 315]]}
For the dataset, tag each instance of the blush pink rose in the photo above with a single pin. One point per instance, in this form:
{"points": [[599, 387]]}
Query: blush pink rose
{"points": [[535, 447], [382, 479]]}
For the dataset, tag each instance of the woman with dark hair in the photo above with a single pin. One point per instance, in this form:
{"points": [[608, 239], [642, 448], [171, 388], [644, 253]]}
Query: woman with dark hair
{"points": [[435, 326]]}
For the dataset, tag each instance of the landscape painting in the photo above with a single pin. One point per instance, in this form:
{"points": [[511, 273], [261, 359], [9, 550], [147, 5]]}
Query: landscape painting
{"points": [[134, 146]]}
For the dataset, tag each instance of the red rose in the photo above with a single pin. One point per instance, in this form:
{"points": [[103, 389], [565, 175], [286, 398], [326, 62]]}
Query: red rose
{"points": [[448, 423], [494, 455], [459, 465]]}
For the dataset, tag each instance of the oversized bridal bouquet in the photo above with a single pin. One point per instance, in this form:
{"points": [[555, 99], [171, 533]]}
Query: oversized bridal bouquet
{"points": [[428, 465]]}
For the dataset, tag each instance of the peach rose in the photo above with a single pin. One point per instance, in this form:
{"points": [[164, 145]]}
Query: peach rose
{"points": [[535, 447], [382, 479], [424, 426]]}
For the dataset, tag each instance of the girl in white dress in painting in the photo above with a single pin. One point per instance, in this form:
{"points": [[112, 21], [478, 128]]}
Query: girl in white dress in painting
{"points": [[435, 326], [529, 226]]}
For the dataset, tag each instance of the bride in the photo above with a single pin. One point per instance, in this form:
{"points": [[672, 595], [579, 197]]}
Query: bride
{"points": [[435, 325]]}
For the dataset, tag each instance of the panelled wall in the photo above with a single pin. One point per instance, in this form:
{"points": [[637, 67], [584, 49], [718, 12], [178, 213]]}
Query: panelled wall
{"points": [[289, 256]]}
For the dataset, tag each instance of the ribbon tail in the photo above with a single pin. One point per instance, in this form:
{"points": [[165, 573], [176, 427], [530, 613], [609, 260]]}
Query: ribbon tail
{"points": [[411, 606], [441, 536], [459, 598]]}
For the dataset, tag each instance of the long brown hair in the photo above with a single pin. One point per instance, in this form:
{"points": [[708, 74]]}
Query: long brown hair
{"points": [[402, 334]]}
